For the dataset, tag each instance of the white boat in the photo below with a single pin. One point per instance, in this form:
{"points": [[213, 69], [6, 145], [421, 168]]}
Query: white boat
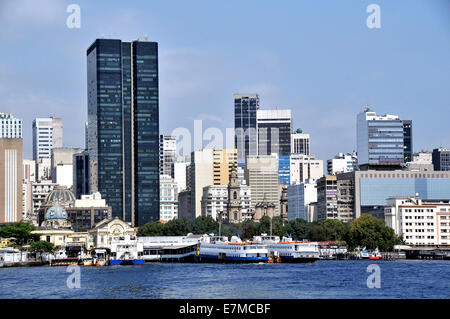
{"points": [[219, 249], [126, 250], [287, 250], [100, 257]]}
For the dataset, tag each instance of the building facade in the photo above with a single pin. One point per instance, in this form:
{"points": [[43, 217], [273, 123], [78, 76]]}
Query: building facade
{"points": [[81, 174], [168, 198], [441, 159], [245, 125], [327, 204], [47, 134], [10, 127], [300, 143], [342, 163], [123, 127], [274, 132], [304, 167], [299, 196], [167, 154]]}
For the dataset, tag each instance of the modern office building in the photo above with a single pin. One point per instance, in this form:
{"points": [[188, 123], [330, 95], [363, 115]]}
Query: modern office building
{"points": [[47, 134], [10, 127], [261, 173], [441, 159], [419, 222], [62, 165], [245, 125], [304, 167], [370, 189], [342, 163], [180, 172], [11, 171], [224, 162], [284, 170], [81, 174], [167, 154], [299, 196], [87, 211], [168, 198], [383, 142], [123, 127], [274, 132], [300, 143]]}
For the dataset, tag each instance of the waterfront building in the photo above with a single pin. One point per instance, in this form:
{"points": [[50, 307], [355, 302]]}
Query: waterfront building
{"points": [[167, 154], [123, 127], [169, 198], [105, 231], [274, 132], [327, 204], [342, 163], [441, 159], [11, 171], [383, 142], [304, 167], [261, 173], [370, 189], [81, 174], [419, 222], [300, 143], [245, 125], [299, 196]]}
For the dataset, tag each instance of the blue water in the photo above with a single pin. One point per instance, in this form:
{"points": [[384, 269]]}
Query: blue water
{"points": [[322, 279]]}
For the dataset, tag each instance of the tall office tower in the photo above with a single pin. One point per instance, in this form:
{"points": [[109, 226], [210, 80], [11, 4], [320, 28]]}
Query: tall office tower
{"points": [[10, 126], [300, 142], [304, 167], [407, 141], [169, 198], [245, 125], [47, 134], [11, 170], [167, 154], [123, 127], [342, 163], [327, 203], [381, 141], [209, 167], [274, 132], [441, 159], [261, 173], [81, 174], [299, 196]]}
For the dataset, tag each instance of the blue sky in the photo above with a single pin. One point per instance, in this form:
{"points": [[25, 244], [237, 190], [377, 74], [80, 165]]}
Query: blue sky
{"points": [[317, 58]]}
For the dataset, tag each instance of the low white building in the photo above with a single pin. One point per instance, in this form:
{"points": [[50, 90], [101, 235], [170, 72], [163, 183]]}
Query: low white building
{"points": [[418, 221], [299, 196], [342, 163], [168, 201]]}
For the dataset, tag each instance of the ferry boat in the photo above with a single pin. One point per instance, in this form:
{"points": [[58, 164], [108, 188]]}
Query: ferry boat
{"points": [[62, 258], [290, 251], [219, 249], [100, 256], [126, 250]]}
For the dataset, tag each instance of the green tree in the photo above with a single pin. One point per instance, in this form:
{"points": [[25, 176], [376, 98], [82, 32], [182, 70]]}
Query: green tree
{"points": [[151, 229], [179, 227], [205, 225], [42, 246], [318, 232], [371, 232], [297, 228], [249, 229], [20, 231], [335, 229]]}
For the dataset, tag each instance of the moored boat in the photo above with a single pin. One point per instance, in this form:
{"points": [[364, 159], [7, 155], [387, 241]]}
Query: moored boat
{"points": [[126, 250], [290, 251]]}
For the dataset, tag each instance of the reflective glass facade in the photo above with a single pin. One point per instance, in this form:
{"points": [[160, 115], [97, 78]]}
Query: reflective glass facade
{"points": [[245, 125], [284, 172], [123, 127]]}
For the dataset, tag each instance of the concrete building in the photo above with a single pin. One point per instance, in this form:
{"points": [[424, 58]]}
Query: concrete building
{"points": [[274, 132], [342, 163], [261, 174], [29, 170], [299, 196], [10, 127], [167, 154], [304, 167], [383, 142], [44, 169], [62, 165], [47, 134], [327, 204], [419, 222], [185, 209], [423, 157], [441, 159], [11, 171], [181, 170], [215, 201], [300, 143], [370, 189], [168, 198], [88, 211]]}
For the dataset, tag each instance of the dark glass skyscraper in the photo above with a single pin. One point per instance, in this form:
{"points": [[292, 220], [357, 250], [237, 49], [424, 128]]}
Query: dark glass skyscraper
{"points": [[407, 141], [123, 127], [245, 125]]}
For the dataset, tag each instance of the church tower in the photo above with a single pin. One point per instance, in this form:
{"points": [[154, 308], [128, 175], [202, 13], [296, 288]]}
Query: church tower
{"points": [[234, 198]]}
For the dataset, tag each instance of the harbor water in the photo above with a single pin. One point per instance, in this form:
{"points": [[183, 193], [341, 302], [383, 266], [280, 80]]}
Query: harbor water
{"points": [[322, 279]]}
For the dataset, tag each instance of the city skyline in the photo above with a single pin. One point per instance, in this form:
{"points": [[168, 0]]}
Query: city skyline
{"points": [[292, 73]]}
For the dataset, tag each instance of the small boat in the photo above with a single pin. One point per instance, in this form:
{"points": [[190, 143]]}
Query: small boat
{"points": [[100, 257], [375, 255], [88, 261], [126, 250]]}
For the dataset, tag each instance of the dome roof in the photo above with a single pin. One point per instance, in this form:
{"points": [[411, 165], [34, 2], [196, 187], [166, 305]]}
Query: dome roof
{"points": [[60, 194], [299, 130], [56, 212]]}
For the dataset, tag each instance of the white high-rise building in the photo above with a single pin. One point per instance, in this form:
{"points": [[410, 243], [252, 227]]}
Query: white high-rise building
{"points": [[342, 163], [180, 170], [300, 142], [47, 134], [167, 154], [10, 127], [168, 202], [299, 196], [304, 167]]}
